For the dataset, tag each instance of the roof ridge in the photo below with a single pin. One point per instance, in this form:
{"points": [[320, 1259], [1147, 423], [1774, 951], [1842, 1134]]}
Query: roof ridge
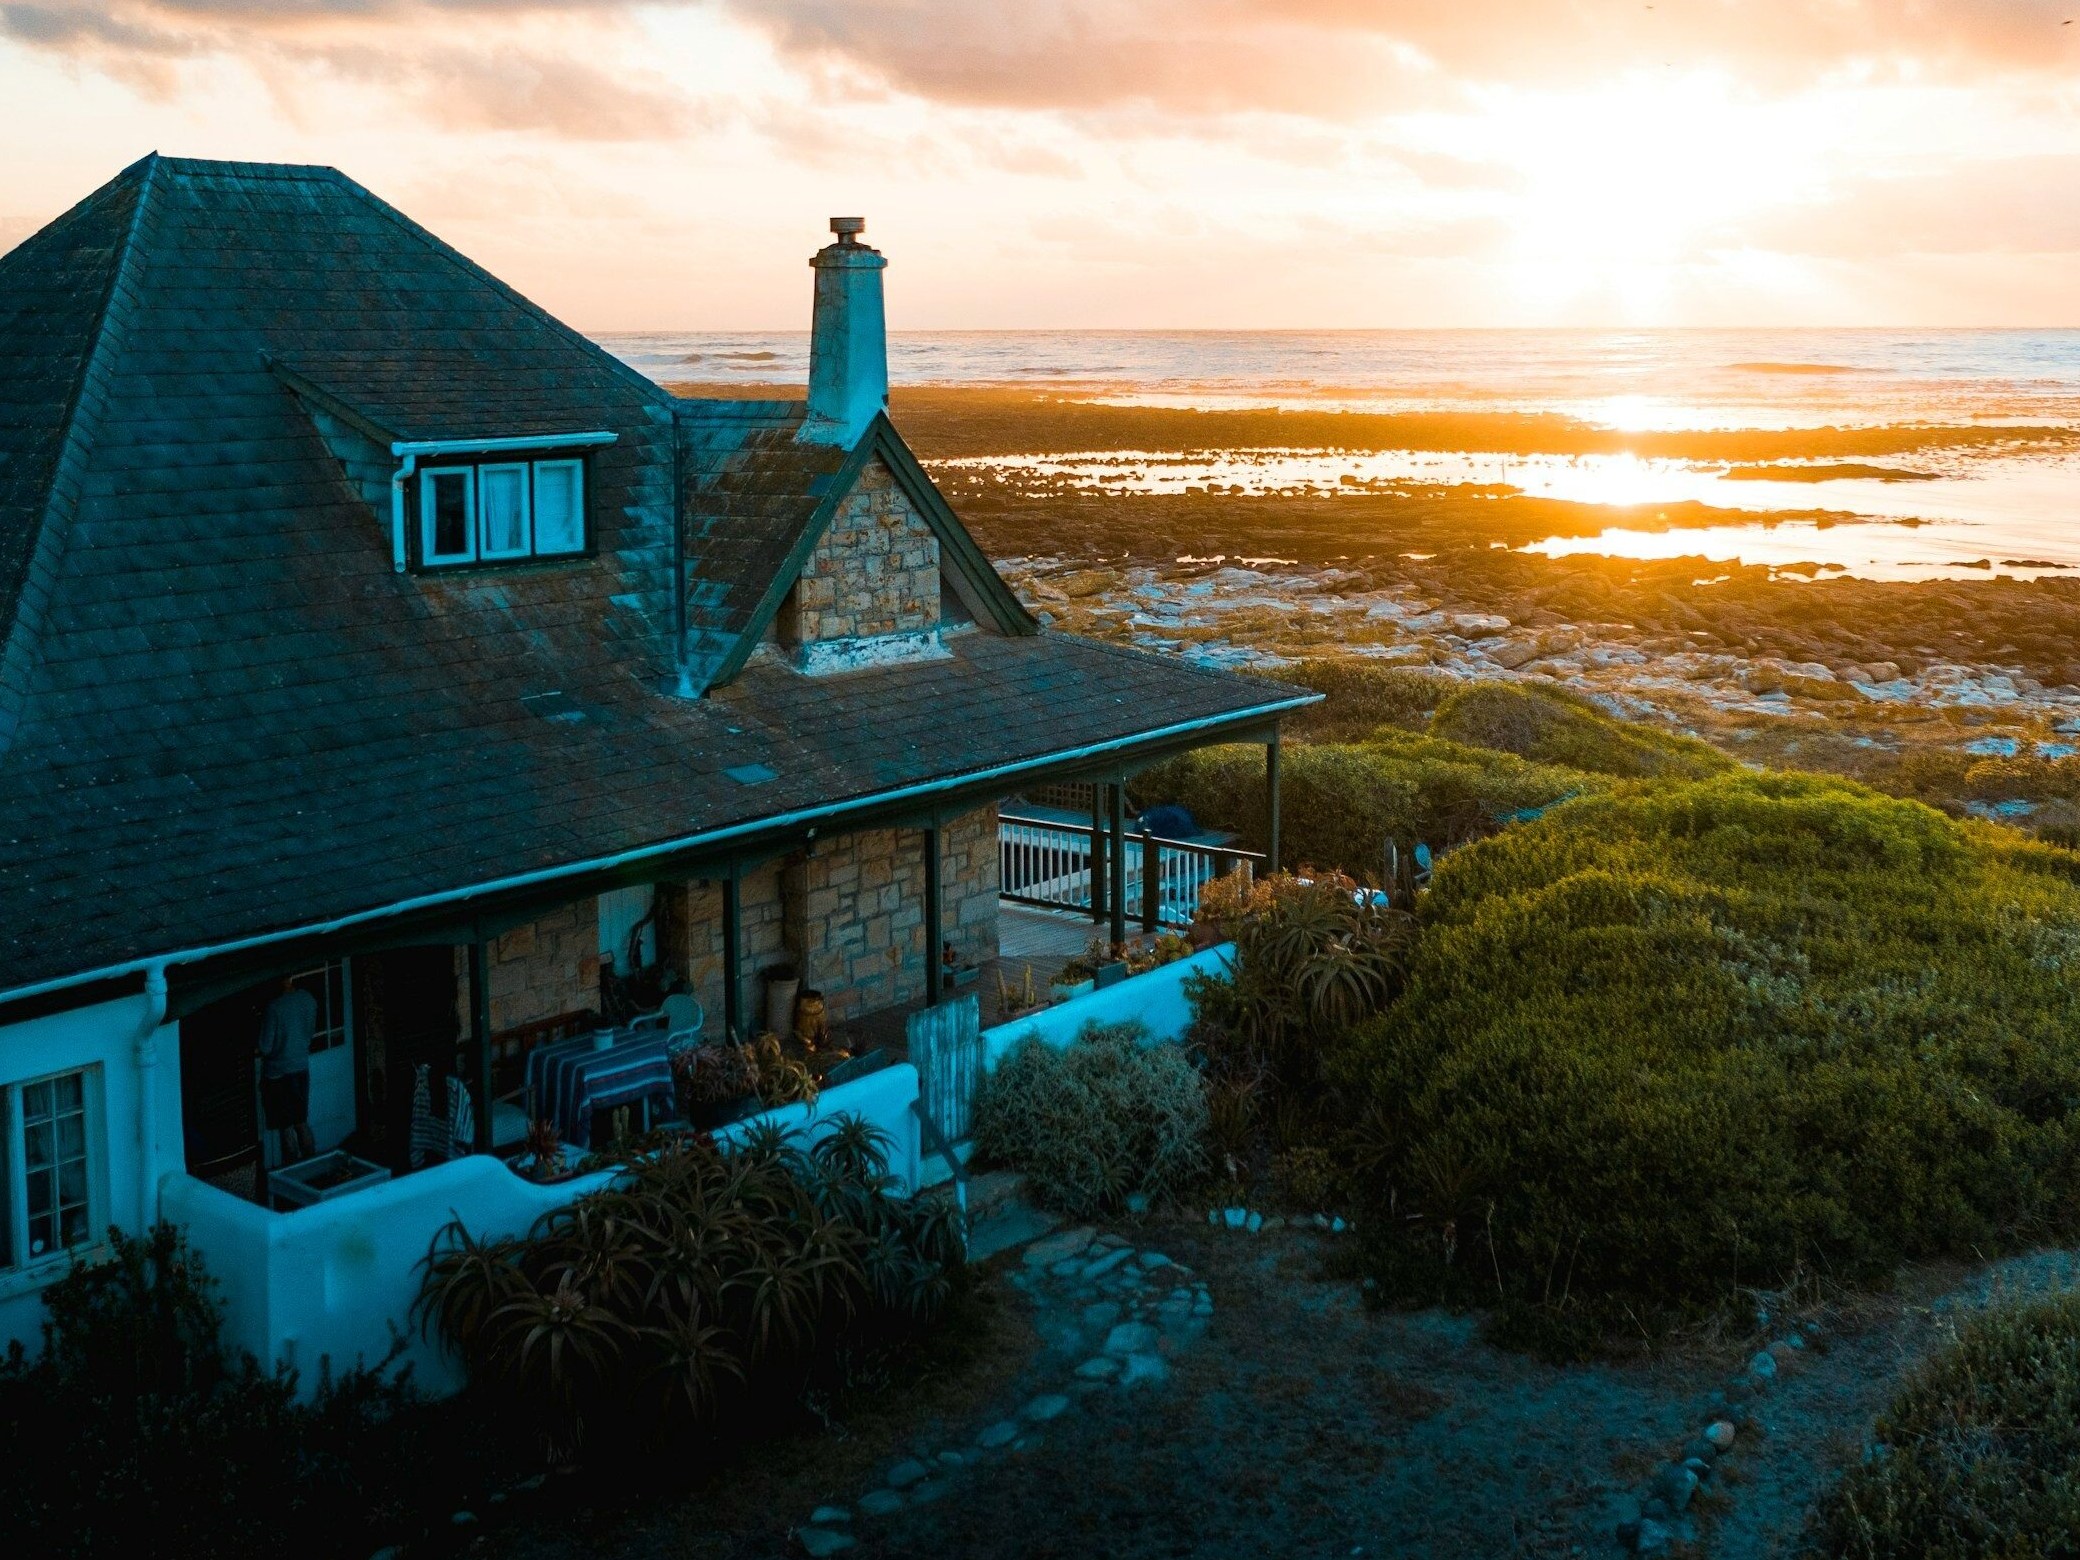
{"points": [[82, 414], [652, 390]]}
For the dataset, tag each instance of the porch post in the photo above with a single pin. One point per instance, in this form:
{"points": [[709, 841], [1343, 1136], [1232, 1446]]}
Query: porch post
{"points": [[1119, 864], [1097, 850], [1271, 798], [1151, 881], [933, 970], [732, 946], [480, 1028]]}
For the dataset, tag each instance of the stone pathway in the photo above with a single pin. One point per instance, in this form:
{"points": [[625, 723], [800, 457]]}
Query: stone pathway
{"points": [[1111, 1318]]}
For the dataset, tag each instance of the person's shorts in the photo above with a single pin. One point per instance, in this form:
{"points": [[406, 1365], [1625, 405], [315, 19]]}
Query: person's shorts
{"points": [[286, 1101]]}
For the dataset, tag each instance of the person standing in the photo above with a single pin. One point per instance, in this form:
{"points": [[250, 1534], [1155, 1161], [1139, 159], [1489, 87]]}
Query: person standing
{"points": [[285, 1069]]}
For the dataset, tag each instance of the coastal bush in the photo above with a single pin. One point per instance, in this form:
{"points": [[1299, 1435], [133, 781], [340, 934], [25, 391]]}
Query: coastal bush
{"points": [[1103, 1119], [1342, 802], [1689, 1038], [1978, 1456], [699, 1282], [1360, 697], [138, 1431], [1548, 725]]}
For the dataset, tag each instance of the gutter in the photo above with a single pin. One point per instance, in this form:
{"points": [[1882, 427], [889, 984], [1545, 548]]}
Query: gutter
{"points": [[736, 831], [408, 451], [147, 1094]]}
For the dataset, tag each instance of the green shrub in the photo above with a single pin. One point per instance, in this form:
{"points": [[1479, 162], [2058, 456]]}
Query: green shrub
{"points": [[137, 1431], [1361, 696], [699, 1281], [1697, 1036], [1549, 725], [1978, 1457], [1098, 1121], [1342, 802]]}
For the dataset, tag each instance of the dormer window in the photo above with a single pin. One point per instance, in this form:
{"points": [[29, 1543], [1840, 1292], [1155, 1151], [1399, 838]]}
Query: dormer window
{"points": [[501, 511]]}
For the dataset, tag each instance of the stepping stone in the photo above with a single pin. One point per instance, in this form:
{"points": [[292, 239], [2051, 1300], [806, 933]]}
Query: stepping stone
{"points": [[905, 1473], [823, 1516], [998, 1434], [1051, 1249], [1098, 1369], [880, 1503], [822, 1541], [1144, 1367], [1047, 1407], [1130, 1338], [1108, 1262]]}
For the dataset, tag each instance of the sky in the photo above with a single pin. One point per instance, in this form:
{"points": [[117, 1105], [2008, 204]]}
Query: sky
{"points": [[1161, 164]]}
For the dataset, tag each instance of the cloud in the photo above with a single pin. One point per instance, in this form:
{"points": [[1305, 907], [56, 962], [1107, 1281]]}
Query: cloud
{"points": [[2006, 205]]}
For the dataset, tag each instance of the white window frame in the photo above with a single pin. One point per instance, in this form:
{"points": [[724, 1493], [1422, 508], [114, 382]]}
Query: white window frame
{"points": [[526, 474], [577, 469], [15, 1258], [428, 475]]}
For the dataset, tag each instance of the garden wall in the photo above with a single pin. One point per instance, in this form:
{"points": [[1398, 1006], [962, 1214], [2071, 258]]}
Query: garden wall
{"points": [[1155, 1000]]}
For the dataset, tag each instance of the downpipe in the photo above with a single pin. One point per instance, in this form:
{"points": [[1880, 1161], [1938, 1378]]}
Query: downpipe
{"points": [[147, 1051]]}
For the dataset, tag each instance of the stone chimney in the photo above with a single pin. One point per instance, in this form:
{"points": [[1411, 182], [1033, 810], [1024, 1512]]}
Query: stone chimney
{"points": [[848, 339]]}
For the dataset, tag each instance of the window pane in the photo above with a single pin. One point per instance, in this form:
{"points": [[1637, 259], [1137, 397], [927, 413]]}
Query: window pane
{"points": [[56, 1194], [447, 524], [502, 510], [559, 506]]}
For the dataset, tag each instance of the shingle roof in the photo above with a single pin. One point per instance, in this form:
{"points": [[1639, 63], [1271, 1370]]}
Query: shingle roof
{"points": [[236, 718]]}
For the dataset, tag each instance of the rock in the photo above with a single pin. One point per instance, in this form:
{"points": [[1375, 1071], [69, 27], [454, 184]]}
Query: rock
{"points": [[1701, 1466], [1785, 1350], [1720, 1434], [1131, 1338], [1100, 1369], [1046, 1407], [1699, 1449], [1066, 1267], [1234, 1218], [905, 1473], [1675, 1484], [1655, 1509], [1144, 1367], [1137, 1203], [1654, 1537], [1320, 1221], [824, 1516], [1108, 1262], [952, 1460], [927, 1492], [1050, 1249], [1763, 1367], [463, 1519], [1337, 1226], [1513, 653], [388, 1552], [1479, 622], [999, 1434], [822, 1541], [1213, 1216], [1153, 1260], [1254, 1223], [1203, 1306], [1100, 1316], [880, 1503]]}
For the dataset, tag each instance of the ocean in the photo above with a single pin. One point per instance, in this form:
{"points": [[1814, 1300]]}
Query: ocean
{"points": [[2006, 509]]}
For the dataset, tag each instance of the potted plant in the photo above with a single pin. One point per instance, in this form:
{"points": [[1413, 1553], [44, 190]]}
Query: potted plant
{"points": [[716, 1084], [783, 981], [1017, 1000]]}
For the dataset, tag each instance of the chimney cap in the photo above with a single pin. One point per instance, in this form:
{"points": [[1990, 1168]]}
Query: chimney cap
{"points": [[848, 228]]}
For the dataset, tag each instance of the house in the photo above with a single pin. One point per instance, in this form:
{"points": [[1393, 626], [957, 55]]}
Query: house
{"points": [[363, 625]]}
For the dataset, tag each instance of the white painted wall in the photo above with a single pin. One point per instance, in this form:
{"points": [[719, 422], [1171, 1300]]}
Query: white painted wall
{"points": [[104, 1036], [334, 1280], [1155, 1000]]}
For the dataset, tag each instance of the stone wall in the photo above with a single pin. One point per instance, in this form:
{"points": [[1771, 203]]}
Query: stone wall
{"points": [[855, 910], [848, 914], [690, 938], [539, 970], [875, 573]]}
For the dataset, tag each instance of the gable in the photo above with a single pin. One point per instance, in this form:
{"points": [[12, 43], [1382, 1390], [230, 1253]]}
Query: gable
{"points": [[894, 518]]}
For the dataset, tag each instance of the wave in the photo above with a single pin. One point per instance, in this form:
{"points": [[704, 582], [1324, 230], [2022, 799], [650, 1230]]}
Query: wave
{"points": [[1797, 368]]}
